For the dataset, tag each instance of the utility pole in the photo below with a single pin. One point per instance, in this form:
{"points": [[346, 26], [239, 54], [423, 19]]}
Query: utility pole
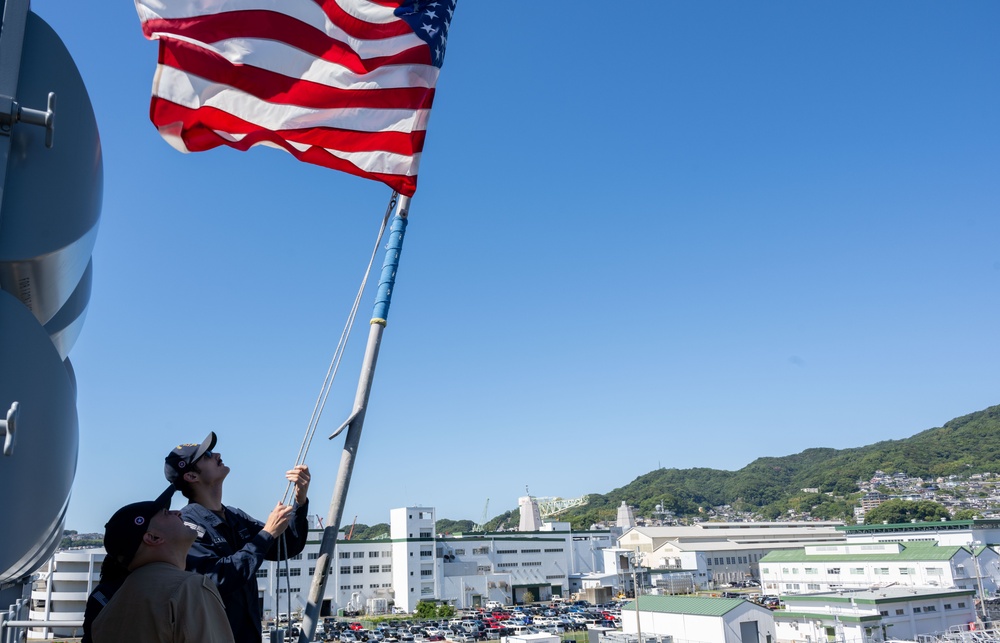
{"points": [[635, 591], [981, 611]]}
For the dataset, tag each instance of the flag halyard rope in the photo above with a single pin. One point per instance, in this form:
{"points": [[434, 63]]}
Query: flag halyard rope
{"points": [[338, 354]]}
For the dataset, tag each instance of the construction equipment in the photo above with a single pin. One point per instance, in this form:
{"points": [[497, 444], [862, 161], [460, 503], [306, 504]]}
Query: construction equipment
{"points": [[482, 523]]}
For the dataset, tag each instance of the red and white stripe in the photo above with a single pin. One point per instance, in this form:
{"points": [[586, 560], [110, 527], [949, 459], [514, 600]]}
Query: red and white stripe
{"points": [[339, 83]]}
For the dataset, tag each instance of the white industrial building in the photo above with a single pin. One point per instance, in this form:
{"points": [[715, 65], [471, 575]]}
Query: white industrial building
{"points": [[701, 619], [863, 616], [710, 554], [823, 568], [60, 590], [945, 532], [415, 564]]}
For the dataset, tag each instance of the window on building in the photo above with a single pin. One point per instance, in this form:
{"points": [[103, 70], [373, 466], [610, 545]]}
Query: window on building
{"points": [[930, 608], [961, 606], [552, 551], [884, 612], [313, 555], [358, 587], [387, 554], [426, 572], [531, 551], [916, 610], [763, 570], [881, 570], [934, 571], [792, 585], [345, 588], [425, 534], [857, 570], [312, 570], [344, 554], [386, 568], [373, 569], [373, 554], [947, 606], [813, 586], [426, 553], [346, 569], [297, 556], [262, 573], [359, 554], [900, 612], [460, 552], [359, 569], [812, 570], [907, 571]]}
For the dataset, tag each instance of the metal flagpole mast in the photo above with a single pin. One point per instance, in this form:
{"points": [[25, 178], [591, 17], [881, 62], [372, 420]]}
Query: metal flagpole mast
{"points": [[354, 424]]}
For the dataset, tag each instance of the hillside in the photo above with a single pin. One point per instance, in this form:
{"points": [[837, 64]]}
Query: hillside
{"points": [[770, 486]]}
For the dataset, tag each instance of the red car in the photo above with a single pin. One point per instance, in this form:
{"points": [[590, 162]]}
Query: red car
{"points": [[355, 626]]}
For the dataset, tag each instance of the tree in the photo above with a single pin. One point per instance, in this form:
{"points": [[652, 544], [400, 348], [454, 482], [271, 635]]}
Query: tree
{"points": [[426, 609], [527, 597], [900, 511], [445, 611], [965, 514]]}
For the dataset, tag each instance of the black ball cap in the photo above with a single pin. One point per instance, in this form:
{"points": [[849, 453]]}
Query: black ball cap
{"points": [[123, 533]]}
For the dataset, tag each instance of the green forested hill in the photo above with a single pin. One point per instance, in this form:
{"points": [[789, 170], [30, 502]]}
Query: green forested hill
{"points": [[770, 486]]}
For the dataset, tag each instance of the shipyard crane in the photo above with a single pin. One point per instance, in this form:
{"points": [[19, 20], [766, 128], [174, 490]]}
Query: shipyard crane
{"points": [[482, 523], [550, 506]]}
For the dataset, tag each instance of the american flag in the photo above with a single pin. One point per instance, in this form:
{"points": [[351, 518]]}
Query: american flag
{"points": [[346, 84]]}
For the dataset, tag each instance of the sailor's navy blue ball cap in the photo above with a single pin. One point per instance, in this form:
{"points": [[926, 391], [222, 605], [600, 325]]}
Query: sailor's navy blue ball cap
{"points": [[184, 455]]}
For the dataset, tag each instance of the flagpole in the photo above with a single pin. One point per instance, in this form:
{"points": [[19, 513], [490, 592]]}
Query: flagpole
{"points": [[355, 422]]}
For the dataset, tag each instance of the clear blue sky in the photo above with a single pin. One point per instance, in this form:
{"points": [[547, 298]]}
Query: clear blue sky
{"points": [[690, 236]]}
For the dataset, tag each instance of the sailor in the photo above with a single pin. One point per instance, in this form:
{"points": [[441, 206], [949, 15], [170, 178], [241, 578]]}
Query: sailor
{"points": [[113, 574], [159, 601], [231, 545]]}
